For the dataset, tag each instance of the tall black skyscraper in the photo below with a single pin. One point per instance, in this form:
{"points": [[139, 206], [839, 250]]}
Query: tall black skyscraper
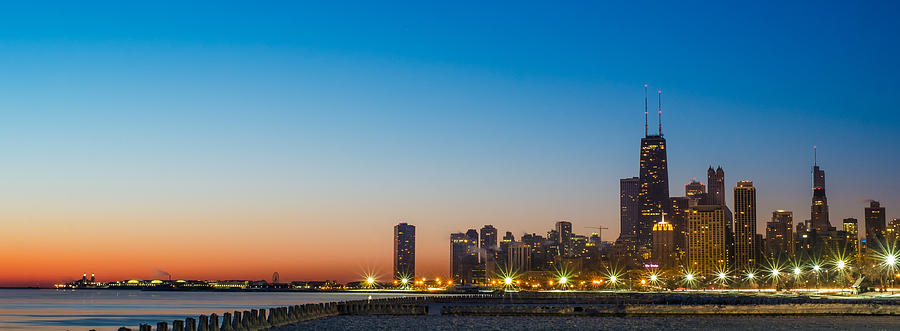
{"points": [[819, 207], [654, 179], [404, 251]]}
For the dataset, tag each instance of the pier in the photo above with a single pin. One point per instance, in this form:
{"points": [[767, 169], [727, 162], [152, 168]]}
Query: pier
{"points": [[544, 304]]}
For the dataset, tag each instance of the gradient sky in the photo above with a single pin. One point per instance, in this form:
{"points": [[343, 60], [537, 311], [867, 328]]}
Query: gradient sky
{"points": [[232, 140]]}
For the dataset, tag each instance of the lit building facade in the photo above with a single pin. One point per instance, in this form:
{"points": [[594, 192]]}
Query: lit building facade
{"points": [[463, 258], [489, 248], [695, 190], [707, 242], [664, 245], [780, 235], [745, 249], [564, 238], [654, 193], [629, 204], [875, 224], [404, 251], [851, 228], [892, 232]]}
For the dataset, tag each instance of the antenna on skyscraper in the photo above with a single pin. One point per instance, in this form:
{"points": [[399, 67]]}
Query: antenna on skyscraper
{"points": [[815, 156], [645, 110], [659, 102]]}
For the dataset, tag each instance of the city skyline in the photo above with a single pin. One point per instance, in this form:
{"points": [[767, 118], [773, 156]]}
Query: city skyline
{"points": [[150, 143]]}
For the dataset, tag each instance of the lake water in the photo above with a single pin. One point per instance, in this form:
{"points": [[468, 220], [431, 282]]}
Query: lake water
{"points": [[22, 309]]}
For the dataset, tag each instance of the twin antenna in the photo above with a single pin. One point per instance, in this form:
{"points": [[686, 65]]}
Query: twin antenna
{"points": [[659, 102]]}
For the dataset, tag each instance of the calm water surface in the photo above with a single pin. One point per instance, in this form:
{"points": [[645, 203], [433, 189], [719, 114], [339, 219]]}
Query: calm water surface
{"points": [[110, 309]]}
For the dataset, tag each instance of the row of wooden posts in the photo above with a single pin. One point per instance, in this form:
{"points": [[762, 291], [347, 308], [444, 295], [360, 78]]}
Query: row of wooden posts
{"points": [[259, 319]]}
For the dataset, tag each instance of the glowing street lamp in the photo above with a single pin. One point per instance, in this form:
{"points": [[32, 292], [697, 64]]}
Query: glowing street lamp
{"points": [[654, 277], [508, 281], [816, 268], [750, 275], [797, 271], [404, 281], [612, 279], [841, 264], [563, 280], [722, 276], [689, 277], [890, 260], [370, 280]]}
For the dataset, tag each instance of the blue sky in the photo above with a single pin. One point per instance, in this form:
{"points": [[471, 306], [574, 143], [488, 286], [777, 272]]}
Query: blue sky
{"points": [[447, 115]]}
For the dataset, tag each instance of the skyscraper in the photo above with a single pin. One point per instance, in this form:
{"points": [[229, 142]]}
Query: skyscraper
{"points": [[489, 248], [463, 257], [564, 237], [716, 181], [707, 242], [519, 257], [819, 207], [654, 193], [694, 189], [744, 226], [779, 234], [664, 245], [404, 251], [875, 225], [629, 204], [892, 232], [851, 230]]}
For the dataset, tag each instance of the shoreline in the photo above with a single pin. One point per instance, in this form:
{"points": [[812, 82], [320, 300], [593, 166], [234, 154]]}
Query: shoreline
{"points": [[550, 304]]}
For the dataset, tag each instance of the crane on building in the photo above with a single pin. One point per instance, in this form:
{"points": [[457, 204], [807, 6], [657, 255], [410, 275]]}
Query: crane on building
{"points": [[599, 230]]}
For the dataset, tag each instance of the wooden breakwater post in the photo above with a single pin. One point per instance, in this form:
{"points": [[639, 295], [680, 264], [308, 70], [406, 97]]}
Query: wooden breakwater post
{"points": [[262, 319]]}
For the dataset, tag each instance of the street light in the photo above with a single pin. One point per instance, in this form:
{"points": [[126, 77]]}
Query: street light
{"points": [[816, 268], [563, 280], [797, 271], [507, 280], [370, 280], [404, 281]]}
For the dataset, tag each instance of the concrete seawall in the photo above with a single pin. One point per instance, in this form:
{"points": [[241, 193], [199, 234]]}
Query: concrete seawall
{"points": [[538, 304]]}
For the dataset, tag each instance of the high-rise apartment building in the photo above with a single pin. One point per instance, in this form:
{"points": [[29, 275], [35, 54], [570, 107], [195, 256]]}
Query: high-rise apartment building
{"points": [[404, 251], [851, 230], [780, 235], [629, 204], [707, 239], [564, 238], [744, 226], [463, 257], [892, 232], [875, 224], [489, 248]]}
